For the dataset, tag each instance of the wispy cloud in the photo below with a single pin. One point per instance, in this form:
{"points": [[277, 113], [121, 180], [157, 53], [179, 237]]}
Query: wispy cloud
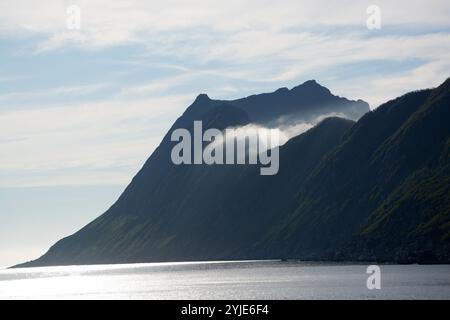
{"points": [[110, 23], [158, 86], [61, 91], [93, 138]]}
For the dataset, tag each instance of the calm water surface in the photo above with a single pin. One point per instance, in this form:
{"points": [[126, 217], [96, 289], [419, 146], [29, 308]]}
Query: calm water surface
{"points": [[225, 280]]}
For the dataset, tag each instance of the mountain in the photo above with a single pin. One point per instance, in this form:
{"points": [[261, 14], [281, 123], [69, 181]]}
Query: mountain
{"points": [[164, 204], [412, 223], [376, 189], [383, 193], [304, 102]]}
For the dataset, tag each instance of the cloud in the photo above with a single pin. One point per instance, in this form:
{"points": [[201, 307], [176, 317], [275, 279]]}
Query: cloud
{"points": [[12, 78], [252, 26], [105, 22], [158, 86], [88, 143], [285, 130], [378, 89], [282, 58], [264, 41], [61, 91]]}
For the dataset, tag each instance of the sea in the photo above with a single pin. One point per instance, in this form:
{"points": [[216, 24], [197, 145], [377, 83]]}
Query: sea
{"points": [[227, 280]]}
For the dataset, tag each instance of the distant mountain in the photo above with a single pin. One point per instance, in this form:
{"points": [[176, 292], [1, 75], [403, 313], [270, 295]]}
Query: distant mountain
{"points": [[377, 189], [304, 102]]}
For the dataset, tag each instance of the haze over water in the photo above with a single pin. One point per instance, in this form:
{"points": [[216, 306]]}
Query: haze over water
{"points": [[225, 280]]}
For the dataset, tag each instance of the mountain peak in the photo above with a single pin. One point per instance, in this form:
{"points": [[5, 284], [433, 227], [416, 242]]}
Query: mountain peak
{"points": [[304, 102], [311, 82], [202, 97], [282, 90], [311, 85]]}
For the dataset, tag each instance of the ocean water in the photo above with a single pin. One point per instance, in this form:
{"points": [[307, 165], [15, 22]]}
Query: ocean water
{"points": [[225, 280]]}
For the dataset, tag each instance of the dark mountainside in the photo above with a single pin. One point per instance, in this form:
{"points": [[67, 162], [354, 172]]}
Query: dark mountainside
{"points": [[383, 193], [377, 189], [306, 101]]}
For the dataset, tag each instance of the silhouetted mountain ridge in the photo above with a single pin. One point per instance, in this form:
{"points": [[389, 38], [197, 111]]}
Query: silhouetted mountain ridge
{"points": [[377, 189]]}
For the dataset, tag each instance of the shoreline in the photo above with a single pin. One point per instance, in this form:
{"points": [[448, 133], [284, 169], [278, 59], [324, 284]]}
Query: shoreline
{"points": [[120, 265]]}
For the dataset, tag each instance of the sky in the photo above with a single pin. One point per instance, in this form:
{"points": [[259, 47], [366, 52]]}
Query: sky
{"points": [[82, 108]]}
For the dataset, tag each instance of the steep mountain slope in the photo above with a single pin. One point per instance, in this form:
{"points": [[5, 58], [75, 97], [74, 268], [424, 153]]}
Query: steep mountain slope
{"points": [[387, 182], [413, 223]]}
